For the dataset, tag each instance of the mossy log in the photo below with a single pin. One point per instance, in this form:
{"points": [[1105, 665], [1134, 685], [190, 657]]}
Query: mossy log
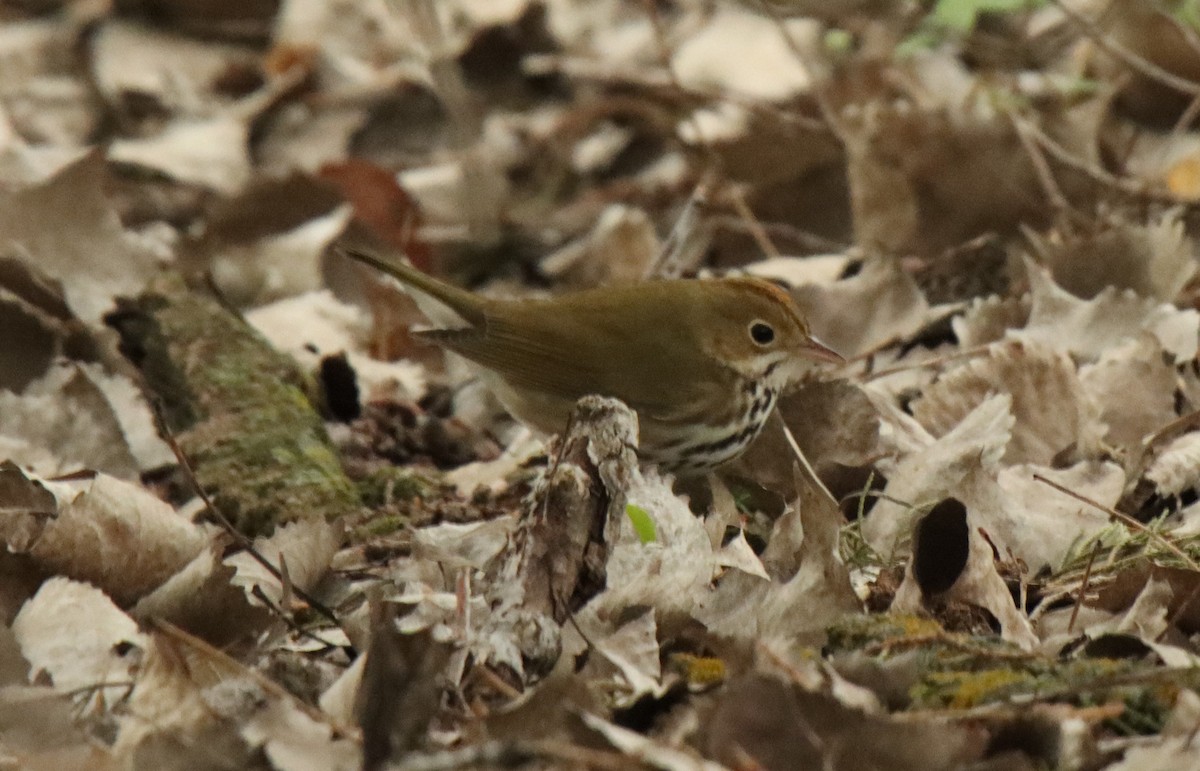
{"points": [[238, 409]]}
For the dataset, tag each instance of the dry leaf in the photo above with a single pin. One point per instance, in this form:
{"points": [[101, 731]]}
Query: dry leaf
{"points": [[115, 535], [835, 311], [302, 550], [69, 231], [936, 468], [77, 637], [1086, 328], [1050, 409]]}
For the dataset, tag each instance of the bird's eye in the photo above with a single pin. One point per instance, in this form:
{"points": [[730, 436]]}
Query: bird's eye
{"points": [[762, 333]]}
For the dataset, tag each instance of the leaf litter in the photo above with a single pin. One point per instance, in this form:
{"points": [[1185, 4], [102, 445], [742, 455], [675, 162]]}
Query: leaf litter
{"points": [[249, 522]]}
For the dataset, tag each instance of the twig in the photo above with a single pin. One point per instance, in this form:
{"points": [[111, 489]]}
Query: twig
{"points": [[497, 682], [753, 226], [220, 658], [1134, 60], [1041, 168], [238, 536], [286, 618], [1126, 520], [1083, 587], [688, 238], [791, 440], [933, 363], [1186, 117], [1062, 155]]}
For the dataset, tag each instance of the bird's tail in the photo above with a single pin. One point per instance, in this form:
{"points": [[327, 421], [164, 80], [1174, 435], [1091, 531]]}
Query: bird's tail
{"points": [[468, 306]]}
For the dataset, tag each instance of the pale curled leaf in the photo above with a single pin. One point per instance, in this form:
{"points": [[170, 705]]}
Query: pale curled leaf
{"points": [[1134, 388], [472, 544], [76, 635], [988, 319], [314, 325], [1086, 328], [1049, 406], [306, 546], [737, 554], [201, 599], [1153, 259], [279, 265], [71, 233], [117, 536], [211, 153], [733, 51], [1039, 524], [633, 650], [294, 741], [25, 508], [898, 308], [807, 588], [65, 421], [922, 476], [1176, 467], [798, 271], [978, 584], [650, 752]]}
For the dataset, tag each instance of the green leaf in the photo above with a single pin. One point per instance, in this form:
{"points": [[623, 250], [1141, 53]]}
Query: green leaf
{"points": [[961, 15], [838, 41], [643, 523]]}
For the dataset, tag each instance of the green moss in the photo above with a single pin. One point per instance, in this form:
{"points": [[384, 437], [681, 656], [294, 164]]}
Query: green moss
{"points": [[239, 410], [961, 690], [393, 484], [954, 671], [380, 526], [1146, 691], [858, 631]]}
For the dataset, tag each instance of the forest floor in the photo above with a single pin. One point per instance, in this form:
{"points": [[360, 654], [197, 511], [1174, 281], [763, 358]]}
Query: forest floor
{"points": [[250, 521]]}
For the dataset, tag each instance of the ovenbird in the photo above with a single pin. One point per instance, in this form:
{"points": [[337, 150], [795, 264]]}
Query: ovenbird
{"points": [[701, 362]]}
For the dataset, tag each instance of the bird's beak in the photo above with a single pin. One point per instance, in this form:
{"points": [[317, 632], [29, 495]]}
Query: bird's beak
{"points": [[813, 348]]}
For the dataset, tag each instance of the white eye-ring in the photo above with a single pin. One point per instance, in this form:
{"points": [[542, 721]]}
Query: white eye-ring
{"points": [[762, 333]]}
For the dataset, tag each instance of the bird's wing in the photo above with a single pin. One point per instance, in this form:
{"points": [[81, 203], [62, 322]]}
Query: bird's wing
{"points": [[552, 361]]}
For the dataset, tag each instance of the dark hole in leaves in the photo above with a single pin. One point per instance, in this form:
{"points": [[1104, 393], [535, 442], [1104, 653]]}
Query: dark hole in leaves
{"points": [[340, 384], [124, 648], [940, 546], [1036, 738], [932, 335], [851, 270], [1116, 646], [642, 714]]}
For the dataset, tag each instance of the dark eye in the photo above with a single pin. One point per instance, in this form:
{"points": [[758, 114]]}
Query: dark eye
{"points": [[762, 333]]}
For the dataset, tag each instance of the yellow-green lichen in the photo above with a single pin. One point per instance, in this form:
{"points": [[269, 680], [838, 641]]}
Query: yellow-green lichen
{"points": [[857, 631], [239, 410], [393, 484]]}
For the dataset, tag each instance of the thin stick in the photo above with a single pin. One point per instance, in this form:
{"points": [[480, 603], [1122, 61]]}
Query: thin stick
{"points": [[1134, 60], [689, 237], [753, 226], [1083, 587], [938, 361], [1062, 155], [791, 440], [1041, 168], [224, 660], [1126, 520], [238, 536]]}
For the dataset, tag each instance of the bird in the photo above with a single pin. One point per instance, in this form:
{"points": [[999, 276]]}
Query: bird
{"points": [[702, 362]]}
